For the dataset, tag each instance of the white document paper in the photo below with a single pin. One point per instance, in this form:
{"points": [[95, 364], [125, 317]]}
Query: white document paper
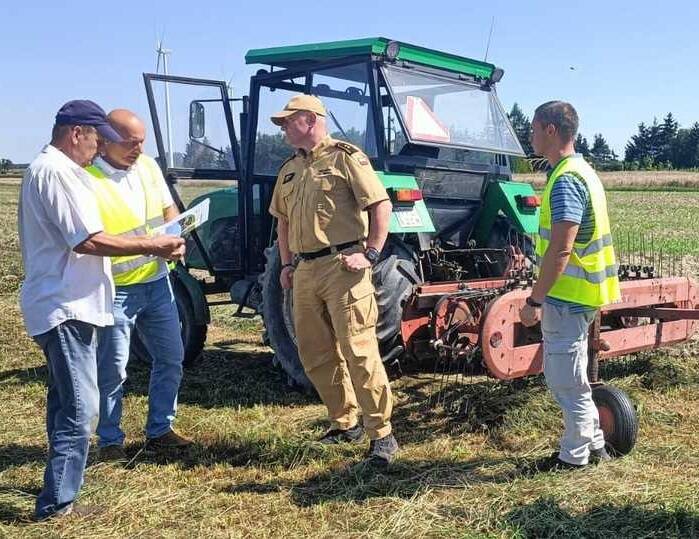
{"points": [[185, 222]]}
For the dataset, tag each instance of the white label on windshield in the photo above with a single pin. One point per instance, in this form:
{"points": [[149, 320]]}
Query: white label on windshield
{"points": [[409, 218]]}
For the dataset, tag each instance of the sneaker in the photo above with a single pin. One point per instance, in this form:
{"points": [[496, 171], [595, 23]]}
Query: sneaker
{"points": [[169, 440], [111, 453], [383, 450], [554, 464], [338, 436], [599, 455]]}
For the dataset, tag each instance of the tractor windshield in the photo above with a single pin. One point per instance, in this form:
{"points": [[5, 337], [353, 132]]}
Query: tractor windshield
{"points": [[444, 111]]}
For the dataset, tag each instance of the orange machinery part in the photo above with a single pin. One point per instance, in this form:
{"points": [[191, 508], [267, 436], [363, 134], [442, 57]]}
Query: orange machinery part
{"points": [[671, 302]]}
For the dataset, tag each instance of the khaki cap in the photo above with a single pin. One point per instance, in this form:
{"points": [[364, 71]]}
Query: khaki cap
{"points": [[299, 102]]}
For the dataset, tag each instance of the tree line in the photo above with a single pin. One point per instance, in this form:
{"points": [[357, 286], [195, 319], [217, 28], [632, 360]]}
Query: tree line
{"points": [[657, 146]]}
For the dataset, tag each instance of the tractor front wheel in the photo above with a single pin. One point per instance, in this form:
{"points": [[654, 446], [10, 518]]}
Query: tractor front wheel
{"points": [[618, 418], [193, 334]]}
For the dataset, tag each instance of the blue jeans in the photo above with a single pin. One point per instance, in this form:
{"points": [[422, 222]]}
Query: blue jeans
{"points": [[71, 410], [150, 308]]}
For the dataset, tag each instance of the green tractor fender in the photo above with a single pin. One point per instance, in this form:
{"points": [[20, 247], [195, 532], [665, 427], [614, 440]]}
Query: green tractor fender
{"points": [[511, 199]]}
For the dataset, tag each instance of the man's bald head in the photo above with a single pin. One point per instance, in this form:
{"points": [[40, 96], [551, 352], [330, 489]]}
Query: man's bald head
{"points": [[126, 121], [124, 154]]}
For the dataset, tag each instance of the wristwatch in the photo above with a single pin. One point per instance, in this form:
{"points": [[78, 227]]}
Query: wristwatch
{"points": [[372, 255], [532, 303]]}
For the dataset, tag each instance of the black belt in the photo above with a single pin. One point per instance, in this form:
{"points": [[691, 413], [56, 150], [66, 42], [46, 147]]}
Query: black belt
{"points": [[328, 250]]}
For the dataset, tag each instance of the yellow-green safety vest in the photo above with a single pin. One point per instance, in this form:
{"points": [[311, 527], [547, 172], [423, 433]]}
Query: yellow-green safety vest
{"points": [[120, 220], [591, 276]]}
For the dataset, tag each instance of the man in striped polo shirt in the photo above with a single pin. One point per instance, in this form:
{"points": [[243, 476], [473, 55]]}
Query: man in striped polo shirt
{"points": [[577, 274]]}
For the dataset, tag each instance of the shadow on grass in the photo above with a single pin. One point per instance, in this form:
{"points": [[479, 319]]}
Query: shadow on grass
{"points": [[30, 375], [460, 408], [359, 482], [13, 455], [226, 378], [12, 514], [546, 518], [656, 371], [263, 452]]}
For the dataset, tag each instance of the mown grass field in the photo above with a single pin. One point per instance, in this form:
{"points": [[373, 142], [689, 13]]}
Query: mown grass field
{"points": [[255, 471], [660, 180]]}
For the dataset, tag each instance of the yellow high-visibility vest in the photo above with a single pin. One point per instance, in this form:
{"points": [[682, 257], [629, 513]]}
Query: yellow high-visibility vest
{"points": [[120, 220], [590, 278]]}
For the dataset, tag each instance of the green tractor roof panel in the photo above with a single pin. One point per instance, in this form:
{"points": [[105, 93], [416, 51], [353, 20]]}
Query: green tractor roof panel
{"points": [[289, 56]]}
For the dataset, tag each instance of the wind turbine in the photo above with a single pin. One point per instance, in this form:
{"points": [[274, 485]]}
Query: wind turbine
{"points": [[164, 53]]}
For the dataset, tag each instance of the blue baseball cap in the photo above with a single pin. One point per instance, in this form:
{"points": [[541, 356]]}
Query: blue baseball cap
{"points": [[86, 112]]}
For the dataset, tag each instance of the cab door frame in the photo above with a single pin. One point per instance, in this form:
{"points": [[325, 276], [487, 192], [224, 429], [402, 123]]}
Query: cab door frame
{"points": [[172, 174]]}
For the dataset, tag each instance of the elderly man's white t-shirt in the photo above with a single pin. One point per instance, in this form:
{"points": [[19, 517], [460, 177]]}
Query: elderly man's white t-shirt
{"points": [[57, 211]]}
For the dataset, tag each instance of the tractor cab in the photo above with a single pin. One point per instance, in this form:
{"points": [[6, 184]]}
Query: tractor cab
{"points": [[455, 269], [430, 122]]}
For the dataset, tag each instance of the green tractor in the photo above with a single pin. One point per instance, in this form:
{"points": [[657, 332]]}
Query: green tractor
{"points": [[435, 132], [456, 268]]}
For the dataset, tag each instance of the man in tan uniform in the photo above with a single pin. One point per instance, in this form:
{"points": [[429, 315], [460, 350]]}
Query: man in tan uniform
{"points": [[323, 198]]}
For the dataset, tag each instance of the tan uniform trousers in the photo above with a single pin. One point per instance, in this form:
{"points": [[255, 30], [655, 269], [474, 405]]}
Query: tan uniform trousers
{"points": [[335, 320]]}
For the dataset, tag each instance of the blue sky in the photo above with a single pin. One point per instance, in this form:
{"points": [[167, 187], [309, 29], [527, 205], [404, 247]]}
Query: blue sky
{"points": [[632, 61]]}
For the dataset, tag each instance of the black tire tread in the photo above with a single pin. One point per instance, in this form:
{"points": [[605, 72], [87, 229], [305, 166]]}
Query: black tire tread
{"points": [[193, 342], [394, 276], [276, 334], [625, 433]]}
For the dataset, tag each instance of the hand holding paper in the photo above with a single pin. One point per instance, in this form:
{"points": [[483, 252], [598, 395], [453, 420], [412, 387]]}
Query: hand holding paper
{"points": [[185, 222]]}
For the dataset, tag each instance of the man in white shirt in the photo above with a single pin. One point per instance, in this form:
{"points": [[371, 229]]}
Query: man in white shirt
{"points": [[132, 195], [67, 294]]}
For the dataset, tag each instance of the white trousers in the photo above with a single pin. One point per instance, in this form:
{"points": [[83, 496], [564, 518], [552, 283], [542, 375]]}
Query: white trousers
{"points": [[565, 370]]}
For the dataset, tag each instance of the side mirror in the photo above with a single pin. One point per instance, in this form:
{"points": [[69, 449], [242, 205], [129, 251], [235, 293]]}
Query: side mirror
{"points": [[196, 120]]}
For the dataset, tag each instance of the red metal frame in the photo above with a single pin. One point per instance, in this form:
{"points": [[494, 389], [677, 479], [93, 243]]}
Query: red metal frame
{"points": [[506, 360], [670, 303]]}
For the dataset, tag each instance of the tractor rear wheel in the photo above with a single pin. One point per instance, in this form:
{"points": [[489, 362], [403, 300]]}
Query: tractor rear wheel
{"points": [[504, 234], [276, 309], [393, 275], [617, 417]]}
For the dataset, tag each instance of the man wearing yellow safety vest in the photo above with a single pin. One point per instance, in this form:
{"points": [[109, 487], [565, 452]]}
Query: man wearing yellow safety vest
{"points": [[577, 274], [133, 199]]}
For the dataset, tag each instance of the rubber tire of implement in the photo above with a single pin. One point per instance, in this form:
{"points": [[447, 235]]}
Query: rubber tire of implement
{"points": [[193, 334], [393, 276], [615, 407]]}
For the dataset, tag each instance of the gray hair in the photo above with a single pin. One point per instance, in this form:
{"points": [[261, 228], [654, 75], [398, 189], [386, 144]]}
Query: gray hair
{"points": [[61, 130]]}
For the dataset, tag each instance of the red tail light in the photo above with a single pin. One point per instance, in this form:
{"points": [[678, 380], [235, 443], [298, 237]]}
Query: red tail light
{"points": [[529, 201], [407, 195]]}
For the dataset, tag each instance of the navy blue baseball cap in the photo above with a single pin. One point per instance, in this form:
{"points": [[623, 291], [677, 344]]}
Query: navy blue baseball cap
{"points": [[86, 112]]}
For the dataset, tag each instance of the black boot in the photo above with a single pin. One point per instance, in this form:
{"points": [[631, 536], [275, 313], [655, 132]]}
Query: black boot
{"points": [[337, 436]]}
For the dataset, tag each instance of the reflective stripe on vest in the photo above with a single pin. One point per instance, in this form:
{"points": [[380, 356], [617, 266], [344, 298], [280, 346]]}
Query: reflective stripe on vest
{"points": [[590, 278], [119, 219], [593, 247]]}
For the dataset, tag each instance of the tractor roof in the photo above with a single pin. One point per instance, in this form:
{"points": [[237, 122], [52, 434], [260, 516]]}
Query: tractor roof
{"points": [[293, 55]]}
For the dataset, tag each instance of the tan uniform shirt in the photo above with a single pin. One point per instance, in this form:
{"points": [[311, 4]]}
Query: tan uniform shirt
{"points": [[323, 195]]}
